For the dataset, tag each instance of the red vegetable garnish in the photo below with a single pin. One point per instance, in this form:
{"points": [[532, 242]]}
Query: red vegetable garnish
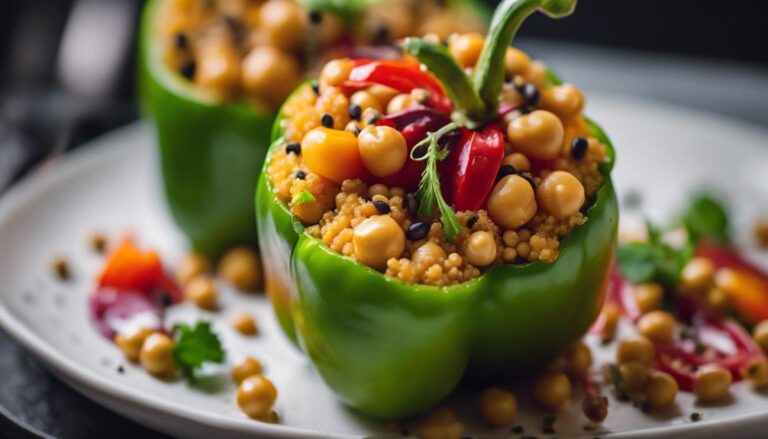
{"points": [[129, 268], [401, 76], [112, 310], [133, 289], [469, 172], [749, 295], [414, 124]]}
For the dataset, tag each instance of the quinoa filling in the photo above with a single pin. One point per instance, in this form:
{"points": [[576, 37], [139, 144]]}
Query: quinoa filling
{"points": [[535, 202], [259, 50]]}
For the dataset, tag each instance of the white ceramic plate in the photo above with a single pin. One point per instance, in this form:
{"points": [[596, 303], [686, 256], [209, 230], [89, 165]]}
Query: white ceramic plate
{"points": [[112, 186]]}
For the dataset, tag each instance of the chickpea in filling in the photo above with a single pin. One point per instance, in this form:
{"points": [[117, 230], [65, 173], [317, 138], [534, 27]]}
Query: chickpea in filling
{"points": [[255, 49], [332, 144]]}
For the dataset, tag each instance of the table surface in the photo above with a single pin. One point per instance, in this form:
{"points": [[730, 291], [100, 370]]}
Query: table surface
{"points": [[33, 403]]}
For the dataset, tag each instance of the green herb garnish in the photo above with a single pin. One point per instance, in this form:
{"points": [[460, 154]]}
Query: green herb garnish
{"points": [[429, 195], [706, 218], [195, 346], [303, 197], [654, 260]]}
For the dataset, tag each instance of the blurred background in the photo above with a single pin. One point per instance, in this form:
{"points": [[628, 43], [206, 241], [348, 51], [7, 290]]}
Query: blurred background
{"points": [[66, 75]]}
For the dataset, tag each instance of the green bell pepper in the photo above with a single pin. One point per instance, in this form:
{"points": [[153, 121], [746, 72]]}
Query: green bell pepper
{"points": [[211, 151], [391, 349]]}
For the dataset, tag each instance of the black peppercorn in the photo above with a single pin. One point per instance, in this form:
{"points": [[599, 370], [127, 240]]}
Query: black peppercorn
{"points": [[382, 207], [327, 120], [301, 175], [418, 230], [579, 147], [315, 87], [315, 17], [505, 170], [293, 147], [355, 111], [530, 94], [472, 221], [188, 69]]}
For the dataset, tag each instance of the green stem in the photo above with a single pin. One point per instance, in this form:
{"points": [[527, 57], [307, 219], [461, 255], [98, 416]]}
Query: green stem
{"points": [[466, 102], [510, 14]]}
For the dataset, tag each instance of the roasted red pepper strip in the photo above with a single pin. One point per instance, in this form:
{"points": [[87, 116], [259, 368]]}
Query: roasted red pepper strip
{"points": [[749, 294], [401, 76], [129, 268], [469, 172]]}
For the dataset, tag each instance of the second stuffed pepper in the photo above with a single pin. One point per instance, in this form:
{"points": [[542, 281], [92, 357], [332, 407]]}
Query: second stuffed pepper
{"points": [[420, 223]]}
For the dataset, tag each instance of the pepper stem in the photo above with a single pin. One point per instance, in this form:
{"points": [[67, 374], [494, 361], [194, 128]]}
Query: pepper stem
{"points": [[509, 15]]}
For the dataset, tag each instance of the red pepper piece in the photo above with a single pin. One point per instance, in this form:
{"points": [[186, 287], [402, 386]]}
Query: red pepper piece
{"points": [[401, 76], [129, 268], [750, 298], [414, 124], [469, 172]]}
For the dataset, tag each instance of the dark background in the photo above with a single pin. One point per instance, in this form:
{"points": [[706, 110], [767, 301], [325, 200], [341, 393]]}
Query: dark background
{"points": [[719, 45]]}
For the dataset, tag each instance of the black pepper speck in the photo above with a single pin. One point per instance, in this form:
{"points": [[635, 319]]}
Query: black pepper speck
{"points": [[382, 207], [418, 230], [327, 120], [293, 147], [355, 111], [579, 147]]}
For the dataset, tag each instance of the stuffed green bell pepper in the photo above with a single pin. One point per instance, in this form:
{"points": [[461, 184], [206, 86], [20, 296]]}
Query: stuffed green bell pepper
{"points": [[213, 74], [423, 223]]}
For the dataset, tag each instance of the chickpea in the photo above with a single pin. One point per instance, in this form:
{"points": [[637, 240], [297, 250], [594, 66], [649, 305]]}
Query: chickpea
{"points": [[518, 161], [480, 249], [552, 390], [712, 383], [441, 424], [560, 194], [657, 326], [429, 253], [578, 360], [634, 375], [611, 316], [218, 69], [466, 48], [382, 93], [756, 371], [760, 335], [377, 239], [512, 202], [245, 367], [648, 296], [566, 101], [498, 407], [400, 103], [202, 292], [638, 349], [383, 150], [660, 390], [366, 99], [241, 267], [283, 22], [336, 72], [131, 340], [538, 135], [255, 396], [516, 61], [191, 265], [717, 300], [537, 74], [698, 275], [270, 74], [244, 323], [156, 355]]}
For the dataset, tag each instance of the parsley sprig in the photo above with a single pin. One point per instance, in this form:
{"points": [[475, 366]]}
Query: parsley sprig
{"points": [[196, 346], [429, 195]]}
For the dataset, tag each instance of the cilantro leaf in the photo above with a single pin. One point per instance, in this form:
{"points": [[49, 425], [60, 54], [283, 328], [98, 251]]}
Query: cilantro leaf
{"points": [[653, 261], [429, 194], [196, 346], [706, 218], [303, 197]]}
